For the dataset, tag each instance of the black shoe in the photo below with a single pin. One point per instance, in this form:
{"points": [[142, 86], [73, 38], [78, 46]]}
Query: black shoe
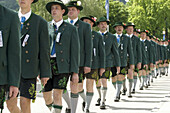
{"points": [[149, 84], [124, 91], [152, 80], [103, 106], [141, 88], [98, 102], [68, 110], [133, 91], [146, 86], [116, 99], [129, 96], [83, 105], [87, 111]]}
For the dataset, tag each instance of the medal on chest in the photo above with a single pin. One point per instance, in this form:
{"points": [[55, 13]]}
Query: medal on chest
{"points": [[25, 40], [146, 48], [121, 46], [1, 40]]}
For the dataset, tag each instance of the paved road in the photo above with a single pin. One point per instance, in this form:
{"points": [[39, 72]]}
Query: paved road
{"points": [[156, 99]]}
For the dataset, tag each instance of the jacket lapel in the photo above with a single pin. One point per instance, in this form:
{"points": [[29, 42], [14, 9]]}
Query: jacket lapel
{"points": [[77, 23], [51, 33], [62, 28], [25, 30]]}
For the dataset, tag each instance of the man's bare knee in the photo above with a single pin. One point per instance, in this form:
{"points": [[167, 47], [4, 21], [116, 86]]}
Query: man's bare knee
{"points": [[57, 95], [48, 97], [12, 105]]}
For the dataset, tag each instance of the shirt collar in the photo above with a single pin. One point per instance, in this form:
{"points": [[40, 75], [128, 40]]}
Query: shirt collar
{"points": [[58, 24], [27, 15], [144, 40], [74, 20], [104, 32], [129, 35], [117, 35]]}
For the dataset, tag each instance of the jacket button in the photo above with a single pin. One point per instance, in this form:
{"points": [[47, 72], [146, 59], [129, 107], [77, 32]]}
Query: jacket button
{"points": [[121, 56], [62, 60], [27, 60], [61, 52], [60, 43], [26, 52]]}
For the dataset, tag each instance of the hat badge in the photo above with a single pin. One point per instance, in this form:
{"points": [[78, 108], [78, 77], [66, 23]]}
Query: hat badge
{"points": [[94, 18], [78, 3]]}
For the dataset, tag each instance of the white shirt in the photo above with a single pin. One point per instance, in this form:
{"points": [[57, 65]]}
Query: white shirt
{"points": [[101, 32], [74, 21], [58, 24], [27, 15], [117, 35], [129, 35]]}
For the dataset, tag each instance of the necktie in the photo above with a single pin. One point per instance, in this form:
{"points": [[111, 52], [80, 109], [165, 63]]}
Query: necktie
{"points": [[71, 21], [102, 33], [118, 39], [22, 21], [53, 48]]}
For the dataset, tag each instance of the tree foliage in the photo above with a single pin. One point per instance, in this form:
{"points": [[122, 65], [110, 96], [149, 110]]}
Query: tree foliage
{"points": [[153, 15], [118, 13], [40, 9]]}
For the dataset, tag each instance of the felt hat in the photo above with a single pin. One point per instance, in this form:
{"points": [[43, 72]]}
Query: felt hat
{"points": [[76, 4], [56, 2], [91, 18]]}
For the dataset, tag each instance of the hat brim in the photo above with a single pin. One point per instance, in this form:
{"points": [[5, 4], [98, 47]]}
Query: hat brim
{"points": [[129, 25], [118, 25], [103, 21], [89, 19], [144, 32], [48, 7], [34, 1], [78, 7]]}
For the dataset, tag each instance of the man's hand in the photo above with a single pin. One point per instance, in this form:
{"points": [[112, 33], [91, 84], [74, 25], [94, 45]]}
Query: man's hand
{"points": [[75, 78], [139, 65], [102, 70], [87, 70], [44, 81], [118, 70], [13, 92], [132, 67], [145, 66]]}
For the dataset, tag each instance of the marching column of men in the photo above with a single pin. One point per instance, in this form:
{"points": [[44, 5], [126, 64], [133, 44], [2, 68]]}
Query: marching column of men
{"points": [[63, 50]]}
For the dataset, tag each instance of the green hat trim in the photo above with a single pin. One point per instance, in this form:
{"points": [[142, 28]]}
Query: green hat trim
{"points": [[129, 24], [119, 24], [103, 19]]}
